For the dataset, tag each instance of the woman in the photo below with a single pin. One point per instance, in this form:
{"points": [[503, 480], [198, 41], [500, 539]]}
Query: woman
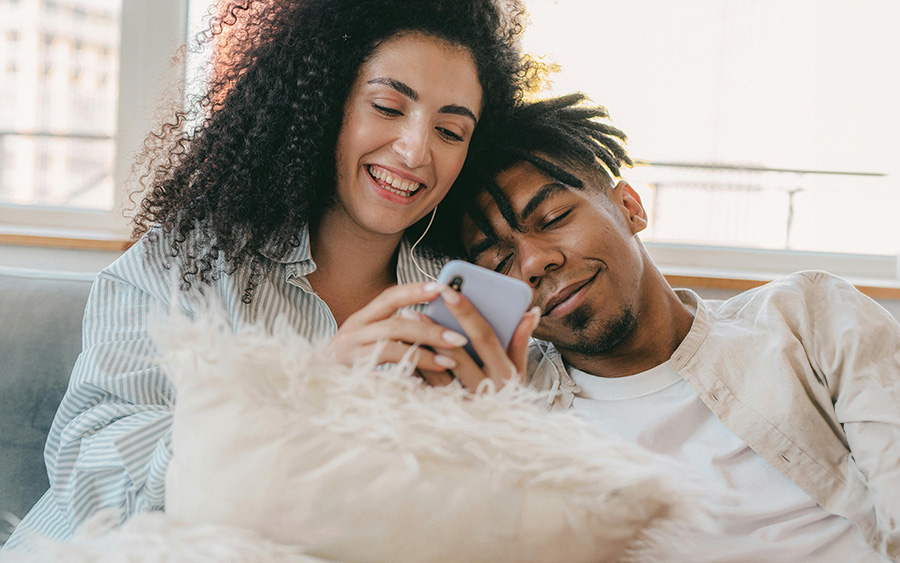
{"points": [[330, 131]]}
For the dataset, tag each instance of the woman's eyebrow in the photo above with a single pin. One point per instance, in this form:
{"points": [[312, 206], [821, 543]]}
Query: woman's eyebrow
{"points": [[409, 92], [459, 110], [401, 87]]}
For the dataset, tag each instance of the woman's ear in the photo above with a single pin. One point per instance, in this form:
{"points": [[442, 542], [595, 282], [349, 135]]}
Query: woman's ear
{"points": [[629, 199]]}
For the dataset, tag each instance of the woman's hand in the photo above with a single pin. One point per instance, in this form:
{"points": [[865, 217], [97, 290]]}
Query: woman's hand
{"points": [[499, 365], [377, 327]]}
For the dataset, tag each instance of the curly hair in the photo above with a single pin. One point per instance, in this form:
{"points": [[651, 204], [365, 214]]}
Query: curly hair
{"points": [[261, 162], [560, 136]]}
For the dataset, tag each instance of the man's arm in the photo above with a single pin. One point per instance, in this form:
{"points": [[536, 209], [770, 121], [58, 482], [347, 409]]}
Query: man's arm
{"points": [[857, 349]]}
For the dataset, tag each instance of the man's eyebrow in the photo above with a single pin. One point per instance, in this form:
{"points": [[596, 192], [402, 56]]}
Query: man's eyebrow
{"points": [[482, 224], [459, 110], [396, 85], [547, 191], [481, 247]]}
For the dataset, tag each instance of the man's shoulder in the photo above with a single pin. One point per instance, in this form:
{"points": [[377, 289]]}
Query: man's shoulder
{"points": [[790, 291], [802, 282], [811, 278]]}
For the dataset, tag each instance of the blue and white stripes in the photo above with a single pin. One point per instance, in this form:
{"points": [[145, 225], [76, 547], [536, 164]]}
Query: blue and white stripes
{"points": [[110, 443]]}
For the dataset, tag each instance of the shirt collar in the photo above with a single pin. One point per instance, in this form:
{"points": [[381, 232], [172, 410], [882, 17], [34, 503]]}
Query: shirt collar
{"points": [[547, 370], [300, 261], [299, 253], [698, 332]]}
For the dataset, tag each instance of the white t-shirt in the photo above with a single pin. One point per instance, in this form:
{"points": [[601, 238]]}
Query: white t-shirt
{"points": [[770, 520]]}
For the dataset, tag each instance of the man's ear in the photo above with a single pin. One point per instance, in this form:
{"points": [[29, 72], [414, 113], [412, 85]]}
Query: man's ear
{"points": [[629, 199]]}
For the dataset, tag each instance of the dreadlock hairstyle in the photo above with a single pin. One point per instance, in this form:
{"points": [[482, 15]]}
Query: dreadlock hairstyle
{"points": [[260, 163], [561, 137]]}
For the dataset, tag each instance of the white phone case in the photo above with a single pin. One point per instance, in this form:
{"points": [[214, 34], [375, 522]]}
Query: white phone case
{"points": [[500, 299]]}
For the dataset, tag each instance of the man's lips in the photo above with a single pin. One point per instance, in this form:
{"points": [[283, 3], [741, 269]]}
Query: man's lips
{"points": [[566, 298]]}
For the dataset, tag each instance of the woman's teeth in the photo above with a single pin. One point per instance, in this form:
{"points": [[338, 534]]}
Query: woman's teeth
{"points": [[393, 184]]}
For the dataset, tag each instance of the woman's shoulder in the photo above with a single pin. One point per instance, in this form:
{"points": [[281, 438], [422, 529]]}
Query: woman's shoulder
{"points": [[155, 265]]}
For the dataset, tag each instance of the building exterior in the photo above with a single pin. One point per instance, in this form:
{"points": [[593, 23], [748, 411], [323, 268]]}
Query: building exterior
{"points": [[58, 85]]}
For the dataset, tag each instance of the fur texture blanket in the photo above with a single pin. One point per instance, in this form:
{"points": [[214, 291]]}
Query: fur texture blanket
{"points": [[280, 454]]}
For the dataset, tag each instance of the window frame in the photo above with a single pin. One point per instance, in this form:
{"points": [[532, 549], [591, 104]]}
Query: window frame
{"points": [[151, 32], [729, 267], [609, 84]]}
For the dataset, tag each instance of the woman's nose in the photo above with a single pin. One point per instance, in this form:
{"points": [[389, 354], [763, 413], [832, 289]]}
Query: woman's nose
{"points": [[413, 145]]}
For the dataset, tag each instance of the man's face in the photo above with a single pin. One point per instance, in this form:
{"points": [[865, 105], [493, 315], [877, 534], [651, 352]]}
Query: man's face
{"points": [[576, 248]]}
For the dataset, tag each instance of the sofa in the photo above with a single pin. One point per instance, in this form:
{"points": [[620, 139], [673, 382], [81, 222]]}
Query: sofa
{"points": [[40, 339]]}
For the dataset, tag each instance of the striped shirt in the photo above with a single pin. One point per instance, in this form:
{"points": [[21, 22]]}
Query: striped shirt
{"points": [[110, 443]]}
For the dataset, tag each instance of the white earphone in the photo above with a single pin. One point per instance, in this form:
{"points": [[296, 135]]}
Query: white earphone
{"points": [[412, 249]]}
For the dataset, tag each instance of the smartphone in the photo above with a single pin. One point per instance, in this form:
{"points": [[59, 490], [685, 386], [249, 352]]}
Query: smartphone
{"points": [[500, 299]]}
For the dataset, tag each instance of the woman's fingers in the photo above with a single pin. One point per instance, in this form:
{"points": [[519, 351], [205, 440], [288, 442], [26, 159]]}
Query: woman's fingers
{"points": [[476, 328], [409, 327], [392, 300], [377, 327], [436, 378], [518, 345], [393, 352], [499, 365], [467, 371]]}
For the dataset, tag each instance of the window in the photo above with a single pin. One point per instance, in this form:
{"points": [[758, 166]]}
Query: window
{"points": [[81, 82], [764, 130]]}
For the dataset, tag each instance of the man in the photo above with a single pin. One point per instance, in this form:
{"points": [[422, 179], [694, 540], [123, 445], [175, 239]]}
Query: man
{"points": [[787, 395]]}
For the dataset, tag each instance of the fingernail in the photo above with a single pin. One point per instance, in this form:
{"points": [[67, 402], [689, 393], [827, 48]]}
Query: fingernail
{"points": [[409, 314], [450, 296], [444, 361], [536, 311], [454, 338], [434, 287]]}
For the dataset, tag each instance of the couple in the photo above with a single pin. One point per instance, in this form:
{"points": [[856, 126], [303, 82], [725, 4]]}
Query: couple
{"points": [[334, 131]]}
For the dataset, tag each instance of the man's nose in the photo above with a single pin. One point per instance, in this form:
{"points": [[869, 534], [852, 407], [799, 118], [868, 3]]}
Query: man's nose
{"points": [[539, 259], [413, 145]]}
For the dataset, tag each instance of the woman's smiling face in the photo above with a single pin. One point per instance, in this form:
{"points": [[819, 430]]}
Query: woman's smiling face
{"points": [[407, 124]]}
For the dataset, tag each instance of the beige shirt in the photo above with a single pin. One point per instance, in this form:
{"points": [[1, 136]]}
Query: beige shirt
{"points": [[805, 370]]}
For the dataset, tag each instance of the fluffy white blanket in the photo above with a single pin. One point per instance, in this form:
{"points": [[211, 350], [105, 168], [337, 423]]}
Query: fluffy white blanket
{"points": [[280, 454], [156, 538]]}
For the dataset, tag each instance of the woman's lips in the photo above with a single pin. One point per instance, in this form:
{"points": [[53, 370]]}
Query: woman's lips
{"points": [[393, 182]]}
